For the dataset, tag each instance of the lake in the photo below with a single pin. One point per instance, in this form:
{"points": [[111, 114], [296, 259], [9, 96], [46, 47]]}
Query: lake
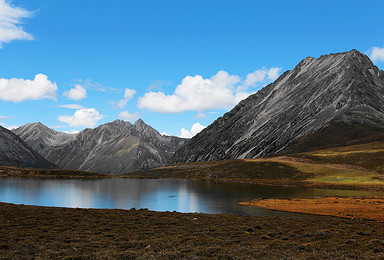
{"points": [[154, 194]]}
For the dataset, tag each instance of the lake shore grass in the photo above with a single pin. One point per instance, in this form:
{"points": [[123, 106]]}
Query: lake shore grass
{"points": [[33, 232], [10, 171]]}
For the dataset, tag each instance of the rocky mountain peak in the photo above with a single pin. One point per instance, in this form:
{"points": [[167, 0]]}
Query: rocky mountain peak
{"points": [[145, 129], [46, 136], [346, 87]]}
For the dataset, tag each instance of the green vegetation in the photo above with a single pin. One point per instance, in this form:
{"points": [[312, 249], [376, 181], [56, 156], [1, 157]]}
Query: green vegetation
{"points": [[230, 170], [369, 156], [52, 173], [31, 232]]}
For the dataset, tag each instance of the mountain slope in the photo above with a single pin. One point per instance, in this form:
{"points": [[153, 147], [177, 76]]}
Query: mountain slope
{"points": [[344, 88], [41, 138], [15, 152], [113, 148]]}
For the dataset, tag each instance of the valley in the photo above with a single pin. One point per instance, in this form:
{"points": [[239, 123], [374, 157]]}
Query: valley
{"points": [[312, 142]]}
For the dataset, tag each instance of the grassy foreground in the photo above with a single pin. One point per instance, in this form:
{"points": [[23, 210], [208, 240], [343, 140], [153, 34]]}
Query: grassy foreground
{"points": [[30, 232]]}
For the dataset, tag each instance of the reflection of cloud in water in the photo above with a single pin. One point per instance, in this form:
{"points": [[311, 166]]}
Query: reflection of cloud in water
{"points": [[79, 198], [187, 199]]}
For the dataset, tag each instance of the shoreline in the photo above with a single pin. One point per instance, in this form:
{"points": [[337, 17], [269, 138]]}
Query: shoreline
{"points": [[266, 182]]}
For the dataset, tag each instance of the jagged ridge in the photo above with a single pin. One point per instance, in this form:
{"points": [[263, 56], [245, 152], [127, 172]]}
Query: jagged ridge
{"points": [[113, 148]]}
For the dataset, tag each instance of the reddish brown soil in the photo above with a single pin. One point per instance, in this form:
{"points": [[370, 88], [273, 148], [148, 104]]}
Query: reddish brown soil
{"points": [[371, 208]]}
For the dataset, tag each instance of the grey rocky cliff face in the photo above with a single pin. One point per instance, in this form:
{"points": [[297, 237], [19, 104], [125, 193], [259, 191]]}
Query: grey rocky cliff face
{"points": [[113, 148], [41, 137], [344, 87], [15, 152]]}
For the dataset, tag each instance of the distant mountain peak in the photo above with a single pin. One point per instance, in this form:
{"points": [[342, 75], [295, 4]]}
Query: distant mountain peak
{"points": [[115, 147], [140, 122]]}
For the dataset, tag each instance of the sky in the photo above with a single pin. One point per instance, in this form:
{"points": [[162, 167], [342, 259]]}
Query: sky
{"points": [[178, 65]]}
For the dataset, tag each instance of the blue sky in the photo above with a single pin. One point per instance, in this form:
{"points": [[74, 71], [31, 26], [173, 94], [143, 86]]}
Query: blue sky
{"points": [[176, 64]]}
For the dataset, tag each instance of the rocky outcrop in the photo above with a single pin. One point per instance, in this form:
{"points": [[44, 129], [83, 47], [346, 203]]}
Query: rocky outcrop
{"points": [[113, 148], [15, 152], [344, 87]]}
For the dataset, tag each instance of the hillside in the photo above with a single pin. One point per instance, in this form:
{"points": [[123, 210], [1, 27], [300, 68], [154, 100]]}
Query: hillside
{"points": [[15, 152], [336, 97], [358, 166]]}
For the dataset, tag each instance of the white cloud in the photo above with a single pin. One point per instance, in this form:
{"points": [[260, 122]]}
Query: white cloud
{"points": [[72, 132], [194, 93], [72, 106], [165, 134], [376, 54], [126, 116], [253, 78], [128, 95], [196, 128], [86, 117], [221, 91], [9, 127], [10, 23], [274, 73], [76, 93], [18, 90], [261, 75]]}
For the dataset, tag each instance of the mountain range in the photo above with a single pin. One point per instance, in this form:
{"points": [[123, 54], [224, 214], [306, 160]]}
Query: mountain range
{"points": [[113, 148]]}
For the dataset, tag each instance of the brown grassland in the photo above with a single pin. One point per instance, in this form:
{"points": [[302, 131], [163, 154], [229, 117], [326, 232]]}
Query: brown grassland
{"points": [[31, 232]]}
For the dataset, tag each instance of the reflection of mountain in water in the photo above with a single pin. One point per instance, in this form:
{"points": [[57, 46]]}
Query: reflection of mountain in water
{"points": [[158, 194]]}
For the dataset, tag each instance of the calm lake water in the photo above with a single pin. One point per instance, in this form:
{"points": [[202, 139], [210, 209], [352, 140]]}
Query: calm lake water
{"points": [[160, 194]]}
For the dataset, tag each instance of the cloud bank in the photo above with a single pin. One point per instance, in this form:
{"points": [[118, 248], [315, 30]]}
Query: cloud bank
{"points": [[221, 91], [18, 90], [11, 23]]}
